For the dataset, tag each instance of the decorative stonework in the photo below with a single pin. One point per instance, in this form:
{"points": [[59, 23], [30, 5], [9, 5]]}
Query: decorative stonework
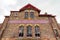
{"points": [[28, 21]]}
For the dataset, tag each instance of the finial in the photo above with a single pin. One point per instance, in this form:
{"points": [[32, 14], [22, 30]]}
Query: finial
{"points": [[45, 13]]}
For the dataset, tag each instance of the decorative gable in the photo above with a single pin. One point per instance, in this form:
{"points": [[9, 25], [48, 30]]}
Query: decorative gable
{"points": [[29, 6]]}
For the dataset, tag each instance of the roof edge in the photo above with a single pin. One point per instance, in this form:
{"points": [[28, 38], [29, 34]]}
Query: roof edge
{"points": [[7, 16], [29, 5], [48, 15]]}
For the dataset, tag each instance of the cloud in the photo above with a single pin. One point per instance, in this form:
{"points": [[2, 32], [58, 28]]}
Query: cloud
{"points": [[5, 9], [49, 6], [8, 2], [1, 18]]}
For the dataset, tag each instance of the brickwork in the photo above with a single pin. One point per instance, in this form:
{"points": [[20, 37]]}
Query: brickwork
{"points": [[10, 31]]}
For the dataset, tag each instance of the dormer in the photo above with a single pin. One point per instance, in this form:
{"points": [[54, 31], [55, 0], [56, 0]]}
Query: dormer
{"points": [[27, 12], [30, 11]]}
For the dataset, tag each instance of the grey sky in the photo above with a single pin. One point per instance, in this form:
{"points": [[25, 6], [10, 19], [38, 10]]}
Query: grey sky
{"points": [[49, 6]]}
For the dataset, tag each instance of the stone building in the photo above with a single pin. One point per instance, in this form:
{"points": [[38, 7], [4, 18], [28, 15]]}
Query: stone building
{"points": [[29, 24]]}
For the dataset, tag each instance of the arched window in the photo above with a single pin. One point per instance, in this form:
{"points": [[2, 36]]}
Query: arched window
{"points": [[37, 31], [31, 14], [26, 15], [56, 32], [29, 31], [21, 31]]}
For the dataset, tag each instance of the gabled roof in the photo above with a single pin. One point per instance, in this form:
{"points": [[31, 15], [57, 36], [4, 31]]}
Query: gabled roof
{"points": [[29, 6]]}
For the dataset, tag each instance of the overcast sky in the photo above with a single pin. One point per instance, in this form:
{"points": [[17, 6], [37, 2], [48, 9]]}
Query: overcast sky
{"points": [[49, 6]]}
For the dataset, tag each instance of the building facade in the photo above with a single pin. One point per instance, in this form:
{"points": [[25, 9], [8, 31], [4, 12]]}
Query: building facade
{"points": [[29, 24]]}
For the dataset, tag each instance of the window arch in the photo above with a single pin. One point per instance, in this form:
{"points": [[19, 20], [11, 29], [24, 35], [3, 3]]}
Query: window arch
{"points": [[29, 31], [21, 31], [37, 31]]}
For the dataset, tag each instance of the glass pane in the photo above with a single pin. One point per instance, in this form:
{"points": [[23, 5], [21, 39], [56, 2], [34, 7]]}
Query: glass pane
{"points": [[20, 34], [29, 30], [56, 32], [26, 15], [32, 14], [21, 31], [37, 31], [15, 14]]}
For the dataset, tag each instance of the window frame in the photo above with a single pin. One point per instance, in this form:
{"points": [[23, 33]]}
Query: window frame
{"points": [[15, 14], [29, 31], [37, 31], [26, 15], [21, 28], [32, 15], [56, 32]]}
